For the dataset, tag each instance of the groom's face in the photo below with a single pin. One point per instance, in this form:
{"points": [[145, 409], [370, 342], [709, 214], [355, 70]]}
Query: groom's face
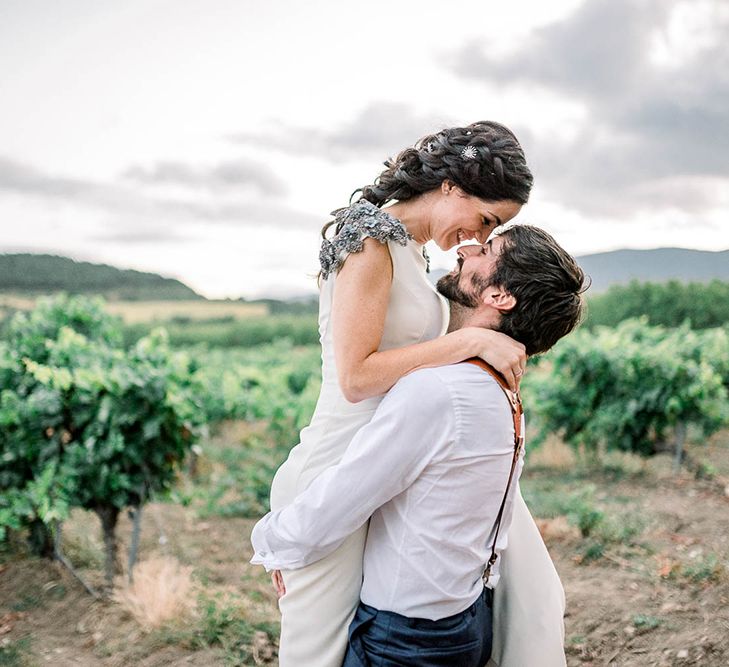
{"points": [[476, 264]]}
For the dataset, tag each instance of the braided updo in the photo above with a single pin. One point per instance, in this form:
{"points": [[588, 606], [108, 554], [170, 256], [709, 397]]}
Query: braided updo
{"points": [[494, 167]]}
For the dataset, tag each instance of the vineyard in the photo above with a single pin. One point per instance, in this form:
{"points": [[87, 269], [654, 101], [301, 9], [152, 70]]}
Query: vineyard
{"points": [[133, 462]]}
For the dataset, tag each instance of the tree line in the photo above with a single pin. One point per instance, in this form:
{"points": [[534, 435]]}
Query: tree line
{"points": [[39, 274], [670, 304]]}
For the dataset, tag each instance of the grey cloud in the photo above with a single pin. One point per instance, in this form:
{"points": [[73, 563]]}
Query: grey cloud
{"points": [[135, 214], [141, 236], [230, 175], [27, 180], [176, 216], [647, 126], [379, 130], [598, 51], [22, 178], [244, 214]]}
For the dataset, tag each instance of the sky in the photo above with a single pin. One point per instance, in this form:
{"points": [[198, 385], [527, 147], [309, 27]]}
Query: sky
{"points": [[209, 140]]}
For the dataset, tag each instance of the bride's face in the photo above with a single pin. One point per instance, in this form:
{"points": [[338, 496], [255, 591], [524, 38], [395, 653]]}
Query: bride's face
{"points": [[459, 217]]}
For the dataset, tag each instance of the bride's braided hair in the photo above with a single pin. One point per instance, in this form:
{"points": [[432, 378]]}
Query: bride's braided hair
{"points": [[493, 168]]}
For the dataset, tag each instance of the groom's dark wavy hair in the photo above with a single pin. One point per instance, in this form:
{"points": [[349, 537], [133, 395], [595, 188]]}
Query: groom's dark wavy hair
{"points": [[547, 284], [495, 169]]}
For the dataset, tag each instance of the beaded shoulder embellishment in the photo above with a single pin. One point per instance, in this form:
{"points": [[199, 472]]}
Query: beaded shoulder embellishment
{"points": [[356, 222]]}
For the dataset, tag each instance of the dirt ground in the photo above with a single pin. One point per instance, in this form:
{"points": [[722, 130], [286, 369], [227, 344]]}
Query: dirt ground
{"points": [[658, 595], [62, 625], [666, 604]]}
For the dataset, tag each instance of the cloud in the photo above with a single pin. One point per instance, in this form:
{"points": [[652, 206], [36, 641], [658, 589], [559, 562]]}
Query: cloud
{"points": [[231, 176], [653, 123], [598, 51], [381, 129], [136, 217], [25, 179], [143, 236], [242, 213]]}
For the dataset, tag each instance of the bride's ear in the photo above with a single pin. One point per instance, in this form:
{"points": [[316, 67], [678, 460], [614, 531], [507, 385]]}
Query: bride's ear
{"points": [[499, 299], [449, 187]]}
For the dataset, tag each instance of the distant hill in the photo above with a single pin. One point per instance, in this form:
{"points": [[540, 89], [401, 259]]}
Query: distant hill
{"points": [[619, 267], [658, 265], [29, 274], [40, 274]]}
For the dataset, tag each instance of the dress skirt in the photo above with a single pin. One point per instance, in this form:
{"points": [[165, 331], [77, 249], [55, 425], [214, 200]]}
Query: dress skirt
{"points": [[319, 605]]}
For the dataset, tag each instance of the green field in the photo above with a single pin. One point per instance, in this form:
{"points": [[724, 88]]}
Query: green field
{"points": [[639, 542]]}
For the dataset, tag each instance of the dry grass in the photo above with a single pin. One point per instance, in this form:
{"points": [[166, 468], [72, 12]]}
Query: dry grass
{"points": [[627, 462], [82, 542], [558, 529], [133, 312], [553, 453], [237, 431], [163, 592], [16, 302]]}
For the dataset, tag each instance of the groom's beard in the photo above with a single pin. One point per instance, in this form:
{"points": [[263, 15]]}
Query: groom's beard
{"points": [[461, 303], [449, 286]]}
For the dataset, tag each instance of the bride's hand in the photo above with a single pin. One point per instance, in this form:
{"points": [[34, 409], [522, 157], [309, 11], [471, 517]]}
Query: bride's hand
{"points": [[278, 583], [505, 354]]}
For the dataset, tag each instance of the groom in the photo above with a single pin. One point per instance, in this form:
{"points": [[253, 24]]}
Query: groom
{"points": [[433, 470]]}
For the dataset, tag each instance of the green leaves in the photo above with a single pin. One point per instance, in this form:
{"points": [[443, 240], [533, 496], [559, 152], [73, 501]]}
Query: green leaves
{"points": [[275, 389], [629, 387], [669, 304], [41, 497], [84, 422], [278, 383]]}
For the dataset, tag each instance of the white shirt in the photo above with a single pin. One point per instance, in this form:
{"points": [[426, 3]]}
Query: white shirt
{"points": [[431, 469]]}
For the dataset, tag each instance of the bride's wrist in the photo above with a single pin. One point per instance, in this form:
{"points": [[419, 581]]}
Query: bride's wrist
{"points": [[469, 343]]}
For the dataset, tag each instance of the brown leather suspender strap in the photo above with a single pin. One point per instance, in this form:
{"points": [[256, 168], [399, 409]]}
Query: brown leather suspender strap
{"points": [[516, 412]]}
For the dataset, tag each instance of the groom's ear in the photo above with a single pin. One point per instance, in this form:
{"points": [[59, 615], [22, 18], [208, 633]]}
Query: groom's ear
{"points": [[498, 298]]}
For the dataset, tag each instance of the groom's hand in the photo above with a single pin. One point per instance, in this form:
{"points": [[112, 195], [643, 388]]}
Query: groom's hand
{"points": [[278, 583]]}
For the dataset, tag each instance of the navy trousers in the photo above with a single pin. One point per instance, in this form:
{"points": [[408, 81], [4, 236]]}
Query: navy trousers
{"points": [[386, 639]]}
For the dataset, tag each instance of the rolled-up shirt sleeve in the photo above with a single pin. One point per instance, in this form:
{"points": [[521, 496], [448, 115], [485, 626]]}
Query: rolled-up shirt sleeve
{"points": [[410, 426]]}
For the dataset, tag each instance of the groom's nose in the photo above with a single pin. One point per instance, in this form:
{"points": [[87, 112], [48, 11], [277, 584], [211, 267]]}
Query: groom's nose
{"points": [[469, 250]]}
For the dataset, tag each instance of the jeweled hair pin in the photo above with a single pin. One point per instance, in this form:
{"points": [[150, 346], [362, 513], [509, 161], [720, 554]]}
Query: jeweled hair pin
{"points": [[469, 153]]}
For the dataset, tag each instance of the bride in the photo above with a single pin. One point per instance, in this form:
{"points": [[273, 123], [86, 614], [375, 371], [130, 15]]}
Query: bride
{"points": [[379, 319]]}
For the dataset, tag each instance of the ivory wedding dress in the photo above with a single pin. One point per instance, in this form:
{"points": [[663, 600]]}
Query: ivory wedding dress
{"points": [[321, 599]]}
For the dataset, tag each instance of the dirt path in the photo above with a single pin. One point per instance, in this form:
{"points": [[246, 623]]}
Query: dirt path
{"points": [[660, 596], [51, 619], [666, 603]]}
